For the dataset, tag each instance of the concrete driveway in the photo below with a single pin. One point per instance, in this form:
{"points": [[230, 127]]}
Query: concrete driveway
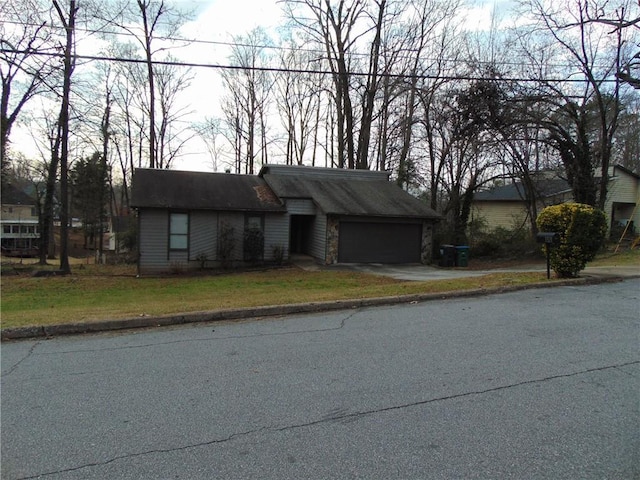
{"points": [[419, 272], [413, 272]]}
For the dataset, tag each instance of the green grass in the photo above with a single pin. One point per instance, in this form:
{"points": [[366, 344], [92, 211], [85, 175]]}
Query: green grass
{"points": [[30, 301], [622, 258], [95, 292]]}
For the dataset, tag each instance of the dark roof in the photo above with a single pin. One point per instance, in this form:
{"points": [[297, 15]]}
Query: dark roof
{"points": [[346, 192], [11, 195], [202, 191], [323, 173], [514, 192]]}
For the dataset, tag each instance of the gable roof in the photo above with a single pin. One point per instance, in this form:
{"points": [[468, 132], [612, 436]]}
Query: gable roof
{"points": [[346, 192], [12, 195], [545, 186], [625, 170], [514, 192], [154, 188]]}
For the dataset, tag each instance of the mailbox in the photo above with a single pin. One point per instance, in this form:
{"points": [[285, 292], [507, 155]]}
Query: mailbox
{"points": [[549, 238]]}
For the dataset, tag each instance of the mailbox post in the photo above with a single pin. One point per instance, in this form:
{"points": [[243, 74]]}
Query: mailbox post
{"points": [[549, 239]]}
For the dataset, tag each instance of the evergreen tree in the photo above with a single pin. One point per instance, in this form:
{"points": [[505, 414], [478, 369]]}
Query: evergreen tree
{"points": [[89, 195]]}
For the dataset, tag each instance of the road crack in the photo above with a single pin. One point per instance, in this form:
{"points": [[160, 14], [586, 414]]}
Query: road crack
{"points": [[13, 368], [340, 415], [147, 452], [343, 321], [345, 417]]}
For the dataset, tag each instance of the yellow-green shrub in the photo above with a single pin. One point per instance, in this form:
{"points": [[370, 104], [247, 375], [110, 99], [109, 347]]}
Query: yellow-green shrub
{"points": [[582, 230]]}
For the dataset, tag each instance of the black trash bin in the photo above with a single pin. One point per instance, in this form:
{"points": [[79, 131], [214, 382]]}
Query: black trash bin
{"points": [[462, 256], [447, 256]]}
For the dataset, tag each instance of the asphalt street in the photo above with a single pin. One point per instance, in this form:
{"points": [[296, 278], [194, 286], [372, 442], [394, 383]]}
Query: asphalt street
{"points": [[535, 384]]}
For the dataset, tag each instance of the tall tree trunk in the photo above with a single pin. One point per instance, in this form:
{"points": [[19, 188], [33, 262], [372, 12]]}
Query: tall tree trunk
{"points": [[362, 160], [46, 220], [103, 167], [63, 123], [403, 162], [151, 81]]}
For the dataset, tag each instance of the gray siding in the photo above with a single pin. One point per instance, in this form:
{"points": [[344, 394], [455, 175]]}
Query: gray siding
{"points": [[318, 246], [203, 235], [153, 241], [300, 206], [318, 238], [178, 261], [276, 233], [204, 231], [235, 221]]}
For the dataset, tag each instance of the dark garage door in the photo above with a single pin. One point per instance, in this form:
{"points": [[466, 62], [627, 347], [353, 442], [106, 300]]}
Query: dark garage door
{"points": [[375, 242]]}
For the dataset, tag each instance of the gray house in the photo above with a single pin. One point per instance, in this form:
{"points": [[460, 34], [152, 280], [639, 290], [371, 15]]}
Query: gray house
{"points": [[190, 219]]}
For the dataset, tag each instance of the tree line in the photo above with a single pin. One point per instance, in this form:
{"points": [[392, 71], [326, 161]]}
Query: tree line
{"points": [[409, 86]]}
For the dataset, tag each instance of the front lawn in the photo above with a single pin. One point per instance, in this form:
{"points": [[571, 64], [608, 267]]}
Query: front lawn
{"points": [[97, 292], [30, 301]]}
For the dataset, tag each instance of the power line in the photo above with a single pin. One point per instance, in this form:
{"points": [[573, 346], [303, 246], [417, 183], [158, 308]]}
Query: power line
{"points": [[175, 63], [174, 39], [282, 48]]}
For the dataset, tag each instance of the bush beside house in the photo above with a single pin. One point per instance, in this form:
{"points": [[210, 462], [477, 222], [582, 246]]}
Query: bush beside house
{"points": [[582, 230]]}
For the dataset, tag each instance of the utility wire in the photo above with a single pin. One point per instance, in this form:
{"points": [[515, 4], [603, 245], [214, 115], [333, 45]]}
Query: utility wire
{"points": [[175, 63], [283, 48]]}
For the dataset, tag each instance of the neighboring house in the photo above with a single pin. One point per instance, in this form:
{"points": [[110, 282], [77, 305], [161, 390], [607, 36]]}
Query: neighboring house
{"points": [[117, 225], [623, 197], [332, 215], [505, 206], [20, 232]]}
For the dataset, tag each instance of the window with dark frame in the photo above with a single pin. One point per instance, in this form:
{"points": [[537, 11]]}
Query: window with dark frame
{"points": [[253, 237], [178, 231], [254, 222]]}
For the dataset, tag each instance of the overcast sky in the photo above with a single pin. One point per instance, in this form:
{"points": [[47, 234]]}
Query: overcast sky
{"points": [[220, 21]]}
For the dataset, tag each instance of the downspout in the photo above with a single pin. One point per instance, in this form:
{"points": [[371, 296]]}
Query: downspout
{"points": [[139, 254]]}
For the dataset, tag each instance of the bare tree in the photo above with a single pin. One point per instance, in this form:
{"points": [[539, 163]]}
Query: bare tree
{"points": [[23, 70], [298, 98], [427, 35], [590, 91], [341, 29], [465, 157], [173, 132], [154, 21], [234, 130], [209, 132], [68, 20], [128, 124], [247, 99], [624, 22]]}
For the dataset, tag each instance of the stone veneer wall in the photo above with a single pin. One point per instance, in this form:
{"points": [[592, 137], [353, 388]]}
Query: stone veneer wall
{"points": [[333, 232], [332, 240], [427, 242]]}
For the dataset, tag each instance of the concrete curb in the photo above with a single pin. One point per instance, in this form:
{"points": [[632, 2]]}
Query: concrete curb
{"points": [[46, 331]]}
